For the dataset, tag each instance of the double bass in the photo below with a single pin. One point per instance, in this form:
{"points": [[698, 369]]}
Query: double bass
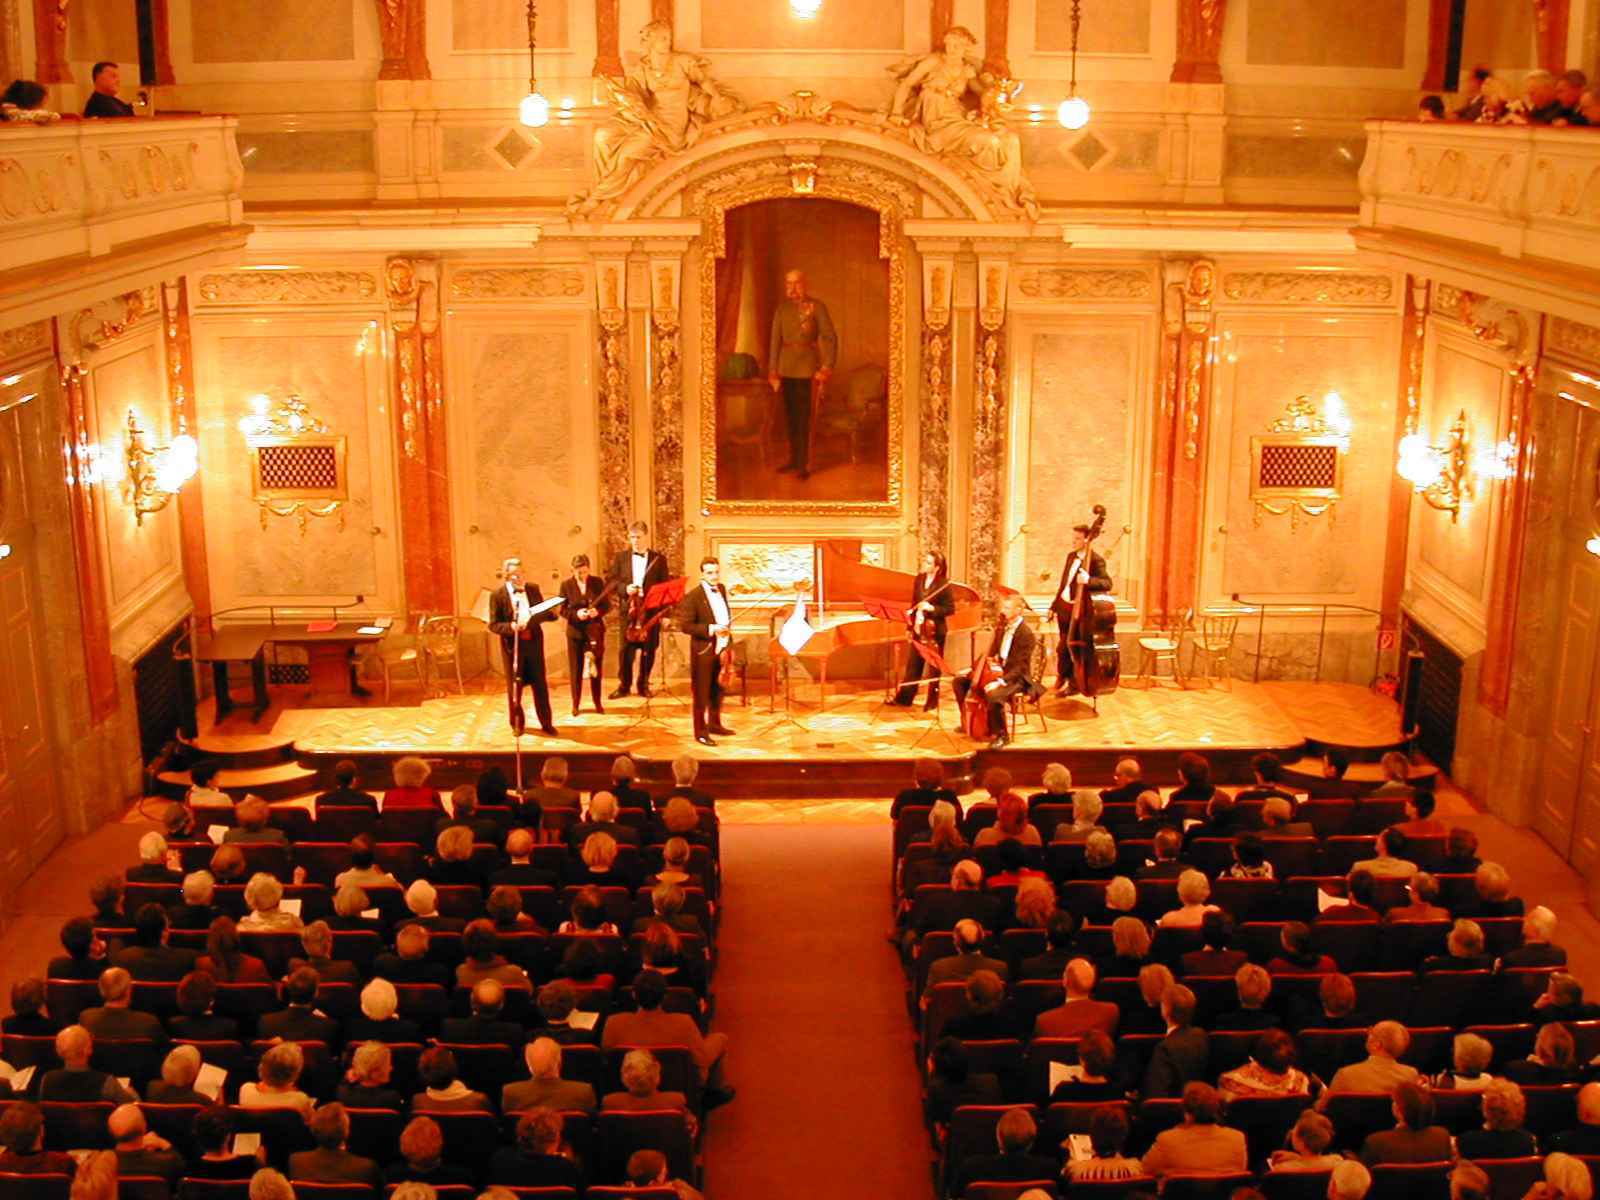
{"points": [[1092, 629]]}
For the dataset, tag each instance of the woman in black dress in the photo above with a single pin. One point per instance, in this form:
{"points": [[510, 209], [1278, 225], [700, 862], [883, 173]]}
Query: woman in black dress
{"points": [[932, 603]]}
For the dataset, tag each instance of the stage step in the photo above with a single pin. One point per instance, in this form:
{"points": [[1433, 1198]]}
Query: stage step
{"points": [[280, 781], [238, 751]]}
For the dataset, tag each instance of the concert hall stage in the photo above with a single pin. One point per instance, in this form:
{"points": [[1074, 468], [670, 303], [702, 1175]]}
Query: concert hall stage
{"points": [[857, 747]]}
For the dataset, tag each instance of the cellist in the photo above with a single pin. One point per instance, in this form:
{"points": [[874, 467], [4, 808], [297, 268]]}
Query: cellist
{"points": [[1084, 571], [1010, 655], [932, 603]]}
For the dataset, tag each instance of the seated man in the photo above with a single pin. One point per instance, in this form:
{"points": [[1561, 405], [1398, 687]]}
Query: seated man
{"points": [[1016, 1160], [536, 1160], [966, 899], [253, 815], [519, 870], [1277, 820], [1216, 930], [652, 1027], [1381, 1070], [153, 866], [422, 898], [557, 1001], [363, 871], [969, 937], [601, 818], [1149, 818], [300, 1020], [1200, 1144], [1181, 1056], [1584, 1138], [316, 939], [641, 1082], [987, 1016], [330, 1162], [1396, 776], [1537, 950], [1422, 891], [1391, 862], [544, 1086], [464, 799], [1562, 1000], [85, 954], [1167, 846], [648, 1169], [114, 1018], [1362, 892], [22, 1149], [666, 905], [150, 958], [1127, 784], [1060, 933], [1415, 1138], [75, 1080], [197, 910], [28, 1016], [409, 962], [1079, 1013], [487, 1025], [1268, 772], [140, 1152], [346, 792], [1420, 821]]}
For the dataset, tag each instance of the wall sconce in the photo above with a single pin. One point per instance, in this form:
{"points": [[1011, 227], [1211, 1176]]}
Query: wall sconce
{"points": [[155, 474], [1445, 476]]}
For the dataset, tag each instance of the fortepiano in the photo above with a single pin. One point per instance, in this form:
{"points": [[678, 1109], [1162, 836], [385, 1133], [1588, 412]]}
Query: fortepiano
{"points": [[846, 589]]}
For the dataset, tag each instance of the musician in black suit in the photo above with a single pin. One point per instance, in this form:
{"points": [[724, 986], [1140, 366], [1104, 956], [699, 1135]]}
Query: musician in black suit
{"points": [[932, 603], [709, 622], [522, 644], [1084, 570], [1012, 645], [584, 607], [635, 571]]}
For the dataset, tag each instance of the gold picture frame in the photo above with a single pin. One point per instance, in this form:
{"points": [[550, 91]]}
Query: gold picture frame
{"points": [[301, 502], [1327, 454], [713, 210]]}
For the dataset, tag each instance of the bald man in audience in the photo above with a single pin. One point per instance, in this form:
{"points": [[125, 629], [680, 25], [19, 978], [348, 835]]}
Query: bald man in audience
{"points": [[601, 818], [1381, 1070], [75, 1080], [1537, 950], [1127, 781], [969, 957], [1277, 820], [487, 1025], [966, 900], [140, 1152], [1149, 819], [114, 1018], [1583, 1139], [409, 963], [519, 871], [1350, 1180], [1080, 1012], [544, 1086]]}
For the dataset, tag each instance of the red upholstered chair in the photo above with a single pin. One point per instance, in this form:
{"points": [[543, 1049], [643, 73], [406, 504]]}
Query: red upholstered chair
{"points": [[1509, 1041], [486, 1068], [619, 1134], [939, 1003], [1115, 1189], [1324, 1051], [1411, 1181], [1458, 1110], [209, 1189], [1040, 1054], [987, 1189], [1356, 1114], [1201, 1186], [1430, 1046], [67, 998], [1294, 1185], [971, 1133], [73, 1126], [1384, 995], [1452, 997], [1329, 817], [1001, 1057], [340, 823], [1075, 1116], [375, 1133], [175, 1122], [35, 1187], [308, 1190], [1551, 1108], [1246, 898], [1265, 1121], [1291, 855], [26, 1050], [1510, 1178]]}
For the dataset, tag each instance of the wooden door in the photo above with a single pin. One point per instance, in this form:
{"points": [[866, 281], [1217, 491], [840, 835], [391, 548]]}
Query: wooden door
{"points": [[1572, 756]]}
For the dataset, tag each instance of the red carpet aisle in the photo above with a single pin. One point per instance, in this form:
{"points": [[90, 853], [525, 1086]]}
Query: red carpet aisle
{"points": [[812, 1001]]}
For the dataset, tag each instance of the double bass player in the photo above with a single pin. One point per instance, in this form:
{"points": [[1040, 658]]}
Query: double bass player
{"points": [[1084, 570]]}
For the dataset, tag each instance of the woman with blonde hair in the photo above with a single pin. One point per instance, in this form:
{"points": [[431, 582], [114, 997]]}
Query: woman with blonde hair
{"points": [[1099, 855], [1035, 903], [277, 1083], [1130, 944], [1470, 1057], [264, 894], [1502, 1136], [96, 1178], [411, 788], [1194, 889], [946, 847], [452, 861], [1154, 980], [366, 1082], [1565, 1178]]}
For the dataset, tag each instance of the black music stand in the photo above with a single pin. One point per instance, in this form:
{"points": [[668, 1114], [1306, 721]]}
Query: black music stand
{"points": [[946, 674], [666, 594]]}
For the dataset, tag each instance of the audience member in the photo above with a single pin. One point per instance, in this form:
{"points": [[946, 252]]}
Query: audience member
{"points": [[195, 1021], [1362, 892], [1194, 890], [1199, 1145], [212, 1133], [1127, 783], [153, 865], [1181, 1056], [536, 1159], [648, 1169], [1015, 1159], [1391, 862], [300, 1020], [346, 792], [277, 1082], [1422, 890], [22, 1149], [1216, 931], [1297, 955], [411, 788], [331, 1162], [1253, 985], [1552, 1060], [1108, 1137], [264, 895], [1381, 1070], [650, 1026], [103, 101], [380, 1020], [544, 1086], [1537, 950], [1502, 1135], [1584, 1137], [140, 1152], [366, 1081], [28, 1015], [252, 829], [114, 1019], [1011, 821], [1470, 1056], [179, 1070], [1415, 1138], [1463, 951], [422, 1158], [1271, 1070], [443, 1089], [1308, 1146], [1094, 1076], [1079, 1012]]}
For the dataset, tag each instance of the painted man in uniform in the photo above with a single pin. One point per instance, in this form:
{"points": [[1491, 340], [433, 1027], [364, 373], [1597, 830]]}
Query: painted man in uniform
{"points": [[802, 353]]}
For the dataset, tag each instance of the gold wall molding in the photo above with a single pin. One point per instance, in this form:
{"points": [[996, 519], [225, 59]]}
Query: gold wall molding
{"points": [[933, 492], [24, 341], [107, 320], [29, 189], [289, 287], [1309, 287], [516, 283], [986, 543], [1573, 339], [666, 409], [615, 423], [714, 206], [1061, 283]]}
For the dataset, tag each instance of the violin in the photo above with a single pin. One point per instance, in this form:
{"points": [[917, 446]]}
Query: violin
{"points": [[917, 620], [594, 632]]}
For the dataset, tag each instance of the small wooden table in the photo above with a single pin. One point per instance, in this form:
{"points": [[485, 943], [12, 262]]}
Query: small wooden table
{"points": [[328, 655]]}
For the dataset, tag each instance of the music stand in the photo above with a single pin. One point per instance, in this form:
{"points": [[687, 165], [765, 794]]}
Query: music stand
{"points": [[666, 594], [945, 674], [800, 638]]}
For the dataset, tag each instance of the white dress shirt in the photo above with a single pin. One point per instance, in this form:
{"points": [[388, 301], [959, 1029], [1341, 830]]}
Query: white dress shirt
{"points": [[719, 610], [1074, 565], [639, 563], [1005, 642]]}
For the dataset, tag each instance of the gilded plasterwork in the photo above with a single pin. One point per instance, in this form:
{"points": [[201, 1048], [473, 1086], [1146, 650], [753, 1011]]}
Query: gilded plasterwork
{"points": [[1573, 339], [24, 340], [288, 287], [1308, 287], [933, 503], [616, 444], [666, 427], [1061, 283], [988, 462], [714, 208], [754, 570], [507, 283]]}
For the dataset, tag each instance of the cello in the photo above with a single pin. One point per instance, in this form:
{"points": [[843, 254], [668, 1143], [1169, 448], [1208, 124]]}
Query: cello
{"points": [[975, 705], [1092, 630]]}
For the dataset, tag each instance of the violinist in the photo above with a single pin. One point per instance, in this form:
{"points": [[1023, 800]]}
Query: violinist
{"points": [[584, 605], [932, 603], [1084, 571], [511, 616], [634, 572], [1012, 653], [709, 622]]}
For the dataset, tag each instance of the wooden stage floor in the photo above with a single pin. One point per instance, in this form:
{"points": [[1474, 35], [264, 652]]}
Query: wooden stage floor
{"points": [[856, 741]]}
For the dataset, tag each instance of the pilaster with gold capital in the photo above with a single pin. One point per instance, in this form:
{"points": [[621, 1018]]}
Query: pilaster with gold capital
{"points": [[180, 396], [615, 424], [986, 543], [938, 331], [666, 406]]}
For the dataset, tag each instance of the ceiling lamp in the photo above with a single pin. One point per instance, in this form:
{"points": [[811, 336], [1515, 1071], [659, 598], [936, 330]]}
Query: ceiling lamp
{"points": [[534, 111], [805, 10], [1074, 110]]}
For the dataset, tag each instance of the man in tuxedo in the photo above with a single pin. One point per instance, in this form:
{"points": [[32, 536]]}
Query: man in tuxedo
{"points": [[522, 644], [635, 571], [583, 606], [709, 622], [1084, 571], [1012, 644]]}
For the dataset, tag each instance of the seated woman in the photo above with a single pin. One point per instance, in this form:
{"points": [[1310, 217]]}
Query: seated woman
{"points": [[1470, 1058], [366, 1082], [224, 961], [1297, 955], [1130, 944], [1491, 885], [379, 1022], [1095, 1075], [1086, 810], [1011, 867], [1099, 855], [1552, 1060], [946, 848], [179, 1070], [641, 1079], [1194, 889], [1309, 1141], [28, 1016], [680, 818], [422, 1155], [1035, 903], [480, 945], [599, 866], [213, 1132], [1154, 980], [584, 966], [588, 914], [1253, 985], [662, 950], [411, 788], [1249, 858], [1011, 821], [443, 1090], [1119, 900], [1422, 894], [349, 902], [277, 1082], [1502, 1135], [1335, 1007], [1460, 852], [1464, 951], [264, 894], [1108, 1136], [1270, 1071], [452, 860], [675, 866], [195, 1021], [1217, 958]]}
